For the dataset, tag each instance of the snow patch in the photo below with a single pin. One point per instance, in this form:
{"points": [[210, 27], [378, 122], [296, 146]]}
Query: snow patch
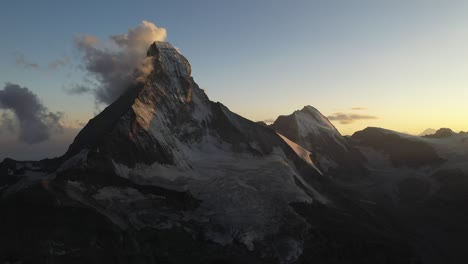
{"points": [[118, 194], [301, 152], [240, 192], [79, 160], [312, 124]]}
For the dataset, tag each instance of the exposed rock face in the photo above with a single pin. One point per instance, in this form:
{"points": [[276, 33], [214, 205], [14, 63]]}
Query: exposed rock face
{"points": [[330, 150], [164, 175]]}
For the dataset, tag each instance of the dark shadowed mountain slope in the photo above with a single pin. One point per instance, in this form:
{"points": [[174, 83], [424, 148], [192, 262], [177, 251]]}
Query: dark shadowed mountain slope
{"points": [[422, 183], [402, 150]]}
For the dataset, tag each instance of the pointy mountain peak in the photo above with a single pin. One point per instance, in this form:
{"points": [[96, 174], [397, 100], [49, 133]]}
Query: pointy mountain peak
{"points": [[311, 120], [145, 118], [314, 132], [167, 58], [310, 109]]}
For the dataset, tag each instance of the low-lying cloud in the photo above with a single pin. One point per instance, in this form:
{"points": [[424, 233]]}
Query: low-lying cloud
{"points": [[358, 108], [345, 119], [27, 115], [119, 63]]}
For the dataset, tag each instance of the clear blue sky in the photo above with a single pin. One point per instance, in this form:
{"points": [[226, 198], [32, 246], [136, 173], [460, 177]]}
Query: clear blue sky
{"points": [[404, 61]]}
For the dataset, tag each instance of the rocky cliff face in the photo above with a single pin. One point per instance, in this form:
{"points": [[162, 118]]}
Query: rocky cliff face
{"points": [[164, 175]]}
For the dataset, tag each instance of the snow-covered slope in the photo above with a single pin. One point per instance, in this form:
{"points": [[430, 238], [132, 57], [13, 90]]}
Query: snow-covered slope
{"points": [[303, 153]]}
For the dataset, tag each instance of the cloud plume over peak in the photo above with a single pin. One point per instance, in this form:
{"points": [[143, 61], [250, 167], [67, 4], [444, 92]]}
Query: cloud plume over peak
{"points": [[34, 121], [117, 65], [140, 37], [345, 119]]}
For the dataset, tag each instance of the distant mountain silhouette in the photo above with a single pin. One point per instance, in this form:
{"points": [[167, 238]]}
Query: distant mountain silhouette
{"points": [[428, 131], [441, 133]]}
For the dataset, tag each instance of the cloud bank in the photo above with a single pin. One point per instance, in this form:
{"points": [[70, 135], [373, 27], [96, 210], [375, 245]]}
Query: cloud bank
{"points": [[346, 119], [28, 115], [119, 63]]}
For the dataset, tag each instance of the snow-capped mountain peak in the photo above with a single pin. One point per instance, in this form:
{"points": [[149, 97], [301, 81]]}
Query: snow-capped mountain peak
{"points": [[311, 121], [330, 150], [165, 132]]}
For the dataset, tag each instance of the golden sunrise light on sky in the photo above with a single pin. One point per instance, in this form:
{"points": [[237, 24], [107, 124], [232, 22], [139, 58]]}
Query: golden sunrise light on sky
{"points": [[401, 65]]}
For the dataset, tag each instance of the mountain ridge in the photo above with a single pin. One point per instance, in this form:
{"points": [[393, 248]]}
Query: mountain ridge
{"points": [[164, 169]]}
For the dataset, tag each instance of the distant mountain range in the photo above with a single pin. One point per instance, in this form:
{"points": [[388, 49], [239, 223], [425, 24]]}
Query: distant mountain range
{"points": [[164, 175]]}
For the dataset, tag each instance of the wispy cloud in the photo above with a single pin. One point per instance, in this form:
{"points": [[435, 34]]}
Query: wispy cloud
{"points": [[23, 62], [348, 118], [58, 63], [77, 89]]}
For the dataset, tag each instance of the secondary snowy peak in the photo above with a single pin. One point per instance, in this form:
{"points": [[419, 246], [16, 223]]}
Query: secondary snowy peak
{"points": [[303, 124], [313, 131], [313, 121]]}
